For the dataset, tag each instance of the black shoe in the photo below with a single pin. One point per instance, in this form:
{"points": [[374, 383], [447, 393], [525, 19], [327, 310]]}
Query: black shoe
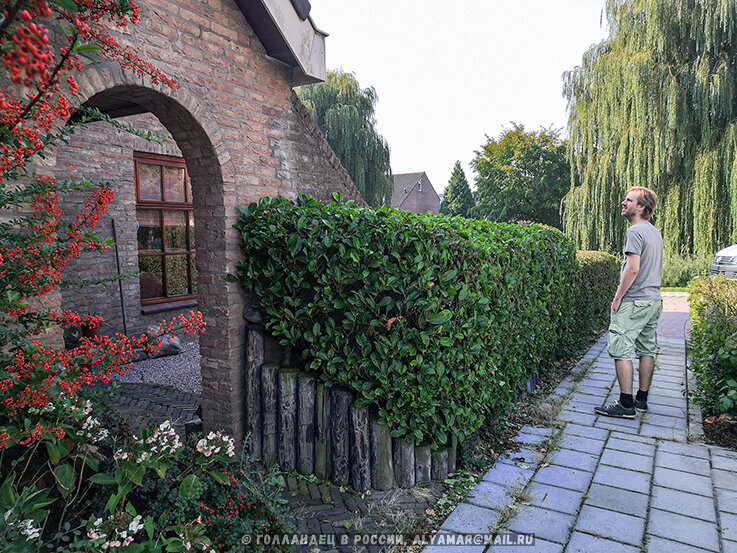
{"points": [[641, 406], [616, 410]]}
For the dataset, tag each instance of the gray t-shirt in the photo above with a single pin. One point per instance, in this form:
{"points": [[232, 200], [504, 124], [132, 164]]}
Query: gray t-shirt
{"points": [[644, 239]]}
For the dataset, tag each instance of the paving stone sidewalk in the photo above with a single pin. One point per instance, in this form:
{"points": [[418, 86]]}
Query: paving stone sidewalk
{"points": [[611, 485]]}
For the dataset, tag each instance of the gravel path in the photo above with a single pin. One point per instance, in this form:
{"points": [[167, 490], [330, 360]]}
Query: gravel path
{"points": [[180, 371]]}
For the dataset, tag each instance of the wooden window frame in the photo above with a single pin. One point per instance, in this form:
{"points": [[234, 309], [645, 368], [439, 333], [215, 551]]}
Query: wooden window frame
{"points": [[152, 305]]}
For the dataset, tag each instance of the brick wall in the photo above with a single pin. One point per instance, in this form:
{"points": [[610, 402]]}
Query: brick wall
{"points": [[244, 135]]}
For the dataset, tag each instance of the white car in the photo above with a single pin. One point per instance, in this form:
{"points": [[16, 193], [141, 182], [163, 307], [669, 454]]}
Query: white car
{"points": [[725, 263]]}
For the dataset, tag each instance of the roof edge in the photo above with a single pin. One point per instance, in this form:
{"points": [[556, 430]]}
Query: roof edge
{"points": [[288, 38]]}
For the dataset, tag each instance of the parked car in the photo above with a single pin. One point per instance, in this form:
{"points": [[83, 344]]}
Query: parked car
{"points": [[725, 263]]}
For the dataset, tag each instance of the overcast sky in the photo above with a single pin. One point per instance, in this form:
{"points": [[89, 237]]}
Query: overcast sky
{"points": [[449, 73]]}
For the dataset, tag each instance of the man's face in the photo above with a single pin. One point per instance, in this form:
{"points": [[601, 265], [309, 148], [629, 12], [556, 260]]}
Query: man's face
{"points": [[630, 207]]}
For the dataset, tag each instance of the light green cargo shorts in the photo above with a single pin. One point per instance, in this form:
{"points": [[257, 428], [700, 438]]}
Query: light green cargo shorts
{"points": [[633, 326]]}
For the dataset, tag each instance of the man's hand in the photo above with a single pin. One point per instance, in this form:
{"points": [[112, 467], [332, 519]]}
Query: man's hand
{"points": [[631, 270]]}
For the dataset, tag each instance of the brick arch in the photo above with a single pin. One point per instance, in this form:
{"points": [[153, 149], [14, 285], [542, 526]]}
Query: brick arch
{"points": [[212, 174]]}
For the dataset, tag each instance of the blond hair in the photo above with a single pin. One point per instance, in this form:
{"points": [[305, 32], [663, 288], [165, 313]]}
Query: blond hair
{"points": [[646, 198]]}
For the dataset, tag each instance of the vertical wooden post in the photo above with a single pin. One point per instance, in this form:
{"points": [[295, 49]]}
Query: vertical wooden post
{"points": [[270, 410], [322, 431], [340, 401], [382, 467], [439, 464], [360, 467], [306, 424], [287, 448], [254, 361], [452, 460], [404, 463], [422, 463]]}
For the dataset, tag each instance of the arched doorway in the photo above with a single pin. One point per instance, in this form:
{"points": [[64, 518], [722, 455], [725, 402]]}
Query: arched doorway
{"points": [[197, 139]]}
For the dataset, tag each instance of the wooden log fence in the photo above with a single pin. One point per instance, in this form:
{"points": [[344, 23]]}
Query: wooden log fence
{"points": [[315, 429]]}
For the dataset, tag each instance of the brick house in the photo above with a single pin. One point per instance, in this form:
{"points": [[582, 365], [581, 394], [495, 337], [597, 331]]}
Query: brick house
{"points": [[236, 132], [413, 192]]}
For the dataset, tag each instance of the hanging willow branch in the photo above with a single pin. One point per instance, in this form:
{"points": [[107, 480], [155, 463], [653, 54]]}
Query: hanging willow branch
{"points": [[345, 114], [654, 105]]}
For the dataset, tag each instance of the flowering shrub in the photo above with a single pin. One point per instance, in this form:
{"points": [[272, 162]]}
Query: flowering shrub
{"points": [[226, 496], [73, 478]]}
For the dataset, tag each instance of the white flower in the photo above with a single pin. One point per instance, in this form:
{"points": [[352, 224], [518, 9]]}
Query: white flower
{"points": [[29, 530], [135, 525]]}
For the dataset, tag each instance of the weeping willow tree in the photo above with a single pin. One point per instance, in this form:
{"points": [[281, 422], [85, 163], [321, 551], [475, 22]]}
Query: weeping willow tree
{"points": [[345, 114], [655, 105]]}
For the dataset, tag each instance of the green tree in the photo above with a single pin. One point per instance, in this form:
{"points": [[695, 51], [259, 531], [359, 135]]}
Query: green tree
{"points": [[655, 105], [457, 199], [345, 114], [522, 176]]}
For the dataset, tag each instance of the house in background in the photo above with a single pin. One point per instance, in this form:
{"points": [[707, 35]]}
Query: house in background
{"points": [[413, 192]]}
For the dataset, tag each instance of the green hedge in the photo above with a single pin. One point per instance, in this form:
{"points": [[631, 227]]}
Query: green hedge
{"points": [[598, 281], [713, 302], [435, 321], [677, 270]]}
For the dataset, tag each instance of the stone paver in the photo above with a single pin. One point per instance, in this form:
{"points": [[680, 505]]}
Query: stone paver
{"points": [[610, 524], [626, 486], [585, 543]]}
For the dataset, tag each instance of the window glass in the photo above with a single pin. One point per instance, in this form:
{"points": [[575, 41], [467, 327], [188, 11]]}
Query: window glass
{"points": [[149, 230], [177, 276], [191, 230], [149, 182], [165, 233], [193, 272], [151, 268], [174, 184], [175, 230]]}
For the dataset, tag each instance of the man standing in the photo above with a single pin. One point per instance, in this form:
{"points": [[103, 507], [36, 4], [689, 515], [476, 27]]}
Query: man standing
{"points": [[637, 304]]}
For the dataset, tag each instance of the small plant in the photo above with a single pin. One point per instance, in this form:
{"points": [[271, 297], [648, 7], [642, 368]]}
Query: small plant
{"points": [[584, 369], [548, 446]]}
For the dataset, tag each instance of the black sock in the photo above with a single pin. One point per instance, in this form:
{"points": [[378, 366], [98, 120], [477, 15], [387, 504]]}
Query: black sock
{"points": [[626, 401], [641, 396]]}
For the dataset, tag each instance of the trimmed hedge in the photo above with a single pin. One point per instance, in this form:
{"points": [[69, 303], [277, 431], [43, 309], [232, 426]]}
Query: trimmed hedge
{"points": [[598, 281], [713, 302], [678, 270], [435, 321]]}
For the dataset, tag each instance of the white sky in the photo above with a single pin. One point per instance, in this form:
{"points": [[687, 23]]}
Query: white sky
{"points": [[447, 73]]}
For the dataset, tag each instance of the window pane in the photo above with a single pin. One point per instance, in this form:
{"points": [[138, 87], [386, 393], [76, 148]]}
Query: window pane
{"points": [[177, 278], [189, 191], [149, 182], [191, 230], [149, 230], [193, 272], [152, 285], [175, 227], [174, 184]]}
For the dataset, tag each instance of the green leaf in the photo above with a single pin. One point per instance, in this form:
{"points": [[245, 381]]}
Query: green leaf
{"points": [[148, 523], [68, 5], [219, 477], [54, 453], [103, 478], [189, 486], [65, 479], [130, 509], [440, 318], [79, 48]]}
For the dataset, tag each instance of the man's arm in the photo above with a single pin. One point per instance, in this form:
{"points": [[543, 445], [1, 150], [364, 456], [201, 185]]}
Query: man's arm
{"points": [[628, 277]]}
